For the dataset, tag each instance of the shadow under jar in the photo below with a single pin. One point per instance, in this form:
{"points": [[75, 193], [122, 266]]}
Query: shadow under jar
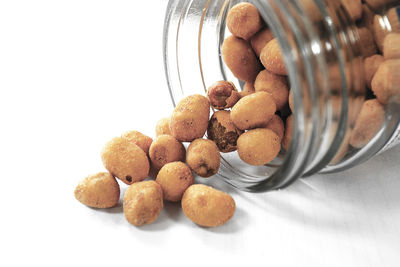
{"points": [[323, 51]]}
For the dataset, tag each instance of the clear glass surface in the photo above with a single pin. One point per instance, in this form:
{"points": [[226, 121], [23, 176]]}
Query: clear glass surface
{"points": [[325, 71]]}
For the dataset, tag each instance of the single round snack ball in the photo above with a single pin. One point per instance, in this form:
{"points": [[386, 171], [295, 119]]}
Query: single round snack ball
{"points": [[259, 146], [125, 160], [248, 89], [272, 59], [203, 157], [223, 95], [253, 111], [260, 40], [162, 127], [143, 203], [141, 140], [368, 123], [223, 132], [165, 149], [243, 20], [190, 118], [288, 133], [99, 190], [276, 85], [371, 65], [240, 59], [174, 178], [277, 126], [386, 81], [207, 206]]}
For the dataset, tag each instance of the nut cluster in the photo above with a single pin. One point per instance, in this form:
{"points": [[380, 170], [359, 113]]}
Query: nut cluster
{"points": [[378, 35], [133, 156], [257, 122]]}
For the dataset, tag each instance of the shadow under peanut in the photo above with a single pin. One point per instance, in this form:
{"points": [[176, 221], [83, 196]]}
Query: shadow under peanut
{"points": [[234, 225], [118, 209]]}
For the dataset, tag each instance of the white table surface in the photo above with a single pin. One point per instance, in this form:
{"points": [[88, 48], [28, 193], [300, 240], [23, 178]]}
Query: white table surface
{"points": [[74, 74]]}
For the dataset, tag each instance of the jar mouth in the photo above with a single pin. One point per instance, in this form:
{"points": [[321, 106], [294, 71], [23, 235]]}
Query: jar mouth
{"points": [[193, 35], [317, 135], [205, 38]]}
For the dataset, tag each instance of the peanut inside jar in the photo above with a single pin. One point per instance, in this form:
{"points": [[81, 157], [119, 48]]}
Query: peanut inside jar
{"points": [[318, 78], [374, 49]]}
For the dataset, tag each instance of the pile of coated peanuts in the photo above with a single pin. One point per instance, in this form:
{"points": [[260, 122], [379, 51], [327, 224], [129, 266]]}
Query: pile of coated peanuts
{"points": [[250, 121], [253, 55], [380, 49], [134, 156]]}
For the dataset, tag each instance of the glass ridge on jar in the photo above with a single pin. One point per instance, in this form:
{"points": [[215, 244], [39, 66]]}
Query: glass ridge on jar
{"points": [[323, 56]]}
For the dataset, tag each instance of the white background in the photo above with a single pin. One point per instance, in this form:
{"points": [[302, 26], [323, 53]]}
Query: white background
{"points": [[74, 74]]}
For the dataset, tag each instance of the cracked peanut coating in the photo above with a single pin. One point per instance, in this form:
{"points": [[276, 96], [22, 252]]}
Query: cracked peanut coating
{"points": [[223, 132], [223, 95]]}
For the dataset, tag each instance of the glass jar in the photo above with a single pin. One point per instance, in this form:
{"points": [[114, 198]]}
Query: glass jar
{"points": [[323, 52]]}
